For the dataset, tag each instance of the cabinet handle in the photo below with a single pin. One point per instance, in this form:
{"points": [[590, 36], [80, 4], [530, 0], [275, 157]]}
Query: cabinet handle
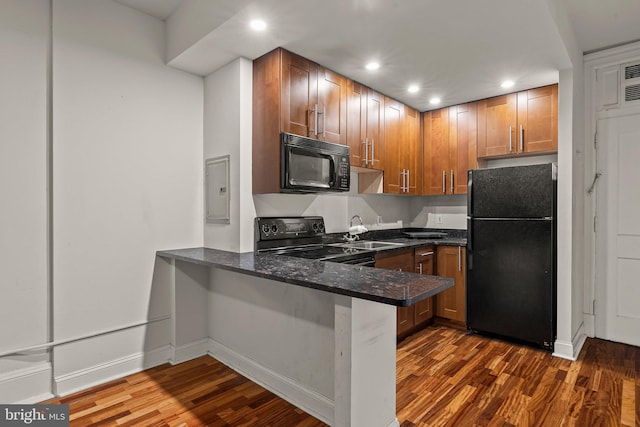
{"points": [[444, 182], [366, 151], [420, 265], [373, 142], [408, 180], [426, 253], [315, 112], [521, 138], [324, 121], [452, 188], [510, 138], [459, 258]]}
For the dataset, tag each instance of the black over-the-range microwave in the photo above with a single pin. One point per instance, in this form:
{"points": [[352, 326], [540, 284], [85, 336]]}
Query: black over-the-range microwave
{"points": [[309, 165]]}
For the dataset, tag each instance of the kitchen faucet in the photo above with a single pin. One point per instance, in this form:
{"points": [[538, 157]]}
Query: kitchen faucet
{"points": [[352, 235]]}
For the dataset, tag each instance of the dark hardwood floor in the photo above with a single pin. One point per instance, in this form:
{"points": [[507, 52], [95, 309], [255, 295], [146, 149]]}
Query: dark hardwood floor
{"points": [[445, 378]]}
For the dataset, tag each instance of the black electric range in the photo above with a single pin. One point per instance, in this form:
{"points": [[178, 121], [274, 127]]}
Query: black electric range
{"points": [[303, 237]]}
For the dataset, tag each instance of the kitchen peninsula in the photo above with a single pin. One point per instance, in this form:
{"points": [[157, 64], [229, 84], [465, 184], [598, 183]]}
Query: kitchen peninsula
{"points": [[321, 335]]}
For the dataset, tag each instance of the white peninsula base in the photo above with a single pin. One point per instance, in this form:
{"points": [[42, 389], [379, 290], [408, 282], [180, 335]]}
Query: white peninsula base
{"points": [[331, 355]]}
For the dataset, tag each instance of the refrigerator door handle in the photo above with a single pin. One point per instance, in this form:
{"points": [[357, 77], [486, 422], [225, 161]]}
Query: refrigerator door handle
{"points": [[469, 234], [469, 192]]}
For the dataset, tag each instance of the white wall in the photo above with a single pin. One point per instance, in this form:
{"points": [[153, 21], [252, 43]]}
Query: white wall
{"points": [[127, 181], [571, 194], [24, 35], [227, 131], [337, 208]]}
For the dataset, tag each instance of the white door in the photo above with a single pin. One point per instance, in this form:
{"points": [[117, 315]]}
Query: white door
{"points": [[618, 230]]}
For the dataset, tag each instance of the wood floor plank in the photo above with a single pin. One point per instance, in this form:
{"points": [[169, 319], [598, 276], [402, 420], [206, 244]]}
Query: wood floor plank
{"points": [[445, 377]]}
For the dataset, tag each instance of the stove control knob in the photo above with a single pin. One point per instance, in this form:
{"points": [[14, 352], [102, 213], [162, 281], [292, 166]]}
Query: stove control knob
{"points": [[274, 228], [321, 226], [315, 226], [265, 228]]}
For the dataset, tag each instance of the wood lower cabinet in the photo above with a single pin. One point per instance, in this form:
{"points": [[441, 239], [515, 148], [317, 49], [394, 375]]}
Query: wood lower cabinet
{"points": [[292, 94], [421, 261], [519, 123], [401, 260], [451, 304], [425, 264]]}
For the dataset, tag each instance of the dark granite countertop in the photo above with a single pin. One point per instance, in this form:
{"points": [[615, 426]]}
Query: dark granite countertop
{"points": [[452, 238], [384, 286]]}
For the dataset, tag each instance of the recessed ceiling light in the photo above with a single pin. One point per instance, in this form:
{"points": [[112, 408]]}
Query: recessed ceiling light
{"points": [[371, 66], [413, 88], [434, 101], [506, 84], [258, 25]]}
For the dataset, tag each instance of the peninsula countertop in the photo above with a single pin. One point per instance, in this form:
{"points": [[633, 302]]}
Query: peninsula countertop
{"points": [[384, 286]]}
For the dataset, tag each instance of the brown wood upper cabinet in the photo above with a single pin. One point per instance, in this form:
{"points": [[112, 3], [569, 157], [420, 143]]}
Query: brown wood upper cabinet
{"points": [[295, 95], [365, 126], [449, 149], [402, 162], [519, 123]]}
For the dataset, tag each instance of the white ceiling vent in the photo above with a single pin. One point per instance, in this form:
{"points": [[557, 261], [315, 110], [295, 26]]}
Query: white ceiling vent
{"points": [[631, 83], [632, 93], [631, 71]]}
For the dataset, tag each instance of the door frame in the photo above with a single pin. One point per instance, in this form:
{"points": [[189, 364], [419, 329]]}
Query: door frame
{"points": [[592, 64]]}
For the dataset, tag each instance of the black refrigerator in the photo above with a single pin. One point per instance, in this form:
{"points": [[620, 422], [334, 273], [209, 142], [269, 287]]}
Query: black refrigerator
{"points": [[511, 253]]}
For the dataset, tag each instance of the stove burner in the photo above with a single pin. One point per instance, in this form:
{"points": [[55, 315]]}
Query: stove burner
{"points": [[302, 237]]}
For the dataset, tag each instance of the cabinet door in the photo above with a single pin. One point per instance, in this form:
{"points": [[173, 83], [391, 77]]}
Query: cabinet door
{"points": [[497, 126], [451, 262], [375, 129], [299, 96], [463, 136], [411, 152], [424, 265], [401, 260], [393, 121], [538, 119], [357, 122], [435, 128], [332, 97]]}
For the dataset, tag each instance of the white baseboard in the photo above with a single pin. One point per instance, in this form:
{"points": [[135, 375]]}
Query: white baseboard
{"points": [[26, 386], [571, 350], [590, 325], [314, 403], [189, 351], [114, 369]]}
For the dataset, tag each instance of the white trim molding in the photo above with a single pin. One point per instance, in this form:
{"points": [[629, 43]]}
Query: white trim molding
{"points": [[108, 371], [571, 350], [27, 385], [309, 401], [189, 351]]}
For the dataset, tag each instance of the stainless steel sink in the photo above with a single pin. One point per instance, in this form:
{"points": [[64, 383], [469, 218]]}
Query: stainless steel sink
{"points": [[368, 244]]}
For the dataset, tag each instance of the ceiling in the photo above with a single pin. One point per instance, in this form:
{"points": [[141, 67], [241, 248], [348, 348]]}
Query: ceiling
{"points": [[458, 50]]}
